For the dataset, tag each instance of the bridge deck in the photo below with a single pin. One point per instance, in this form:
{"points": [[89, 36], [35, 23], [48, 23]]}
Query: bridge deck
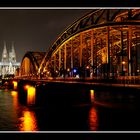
{"points": [[108, 83]]}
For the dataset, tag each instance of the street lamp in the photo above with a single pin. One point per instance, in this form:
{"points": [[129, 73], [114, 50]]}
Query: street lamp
{"points": [[68, 69], [123, 64]]}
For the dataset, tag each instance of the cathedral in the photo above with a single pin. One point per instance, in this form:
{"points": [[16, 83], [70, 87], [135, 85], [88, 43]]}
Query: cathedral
{"points": [[8, 64]]}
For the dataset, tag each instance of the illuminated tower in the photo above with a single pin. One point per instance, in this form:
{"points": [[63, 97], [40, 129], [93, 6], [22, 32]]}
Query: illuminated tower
{"points": [[12, 54], [12, 60], [4, 54], [4, 66]]}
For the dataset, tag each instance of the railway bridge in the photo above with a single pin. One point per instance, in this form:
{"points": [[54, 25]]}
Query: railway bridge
{"points": [[102, 47]]}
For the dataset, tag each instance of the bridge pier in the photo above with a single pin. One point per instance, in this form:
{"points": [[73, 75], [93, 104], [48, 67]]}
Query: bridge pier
{"points": [[53, 94], [48, 94], [23, 87]]}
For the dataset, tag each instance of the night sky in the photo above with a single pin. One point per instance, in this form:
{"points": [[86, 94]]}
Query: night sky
{"points": [[34, 29]]}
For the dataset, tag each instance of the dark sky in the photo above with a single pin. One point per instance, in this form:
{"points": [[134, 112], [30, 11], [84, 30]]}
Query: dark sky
{"points": [[34, 29]]}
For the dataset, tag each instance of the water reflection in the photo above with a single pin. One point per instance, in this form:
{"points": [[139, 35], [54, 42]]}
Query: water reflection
{"points": [[26, 118], [93, 119], [15, 99], [28, 121], [16, 116]]}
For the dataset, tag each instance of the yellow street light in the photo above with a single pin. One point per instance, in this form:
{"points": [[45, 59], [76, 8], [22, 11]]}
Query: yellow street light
{"points": [[123, 62]]}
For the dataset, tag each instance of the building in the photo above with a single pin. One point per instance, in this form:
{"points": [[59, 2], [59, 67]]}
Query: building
{"points": [[8, 64]]}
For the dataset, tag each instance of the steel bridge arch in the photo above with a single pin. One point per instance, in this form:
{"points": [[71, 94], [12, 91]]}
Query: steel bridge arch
{"points": [[30, 64], [98, 33]]}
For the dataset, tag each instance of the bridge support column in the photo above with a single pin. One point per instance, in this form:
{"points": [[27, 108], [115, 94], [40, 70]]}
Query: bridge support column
{"points": [[54, 62], [59, 59], [65, 60], [80, 54], [108, 51], [72, 58], [91, 43], [129, 50]]}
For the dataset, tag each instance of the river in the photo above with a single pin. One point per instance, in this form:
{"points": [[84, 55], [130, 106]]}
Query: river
{"points": [[18, 117]]}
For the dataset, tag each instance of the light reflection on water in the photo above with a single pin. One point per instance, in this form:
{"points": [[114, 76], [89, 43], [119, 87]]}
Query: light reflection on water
{"points": [[19, 117], [24, 118], [93, 119], [15, 98], [28, 121]]}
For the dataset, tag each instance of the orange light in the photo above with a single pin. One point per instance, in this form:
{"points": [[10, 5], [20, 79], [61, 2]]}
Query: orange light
{"points": [[31, 92], [26, 87], [28, 121], [92, 95], [13, 93], [15, 99], [123, 62], [15, 84], [93, 119]]}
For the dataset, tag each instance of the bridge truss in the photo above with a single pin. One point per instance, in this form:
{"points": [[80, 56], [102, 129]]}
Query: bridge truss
{"points": [[104, 43]]}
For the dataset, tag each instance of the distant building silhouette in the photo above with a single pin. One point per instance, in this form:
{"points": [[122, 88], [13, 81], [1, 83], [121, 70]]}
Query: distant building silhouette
{"points": [[8, 64]]}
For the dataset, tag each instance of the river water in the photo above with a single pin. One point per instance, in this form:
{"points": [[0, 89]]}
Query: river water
{"points": [[18, 117]]}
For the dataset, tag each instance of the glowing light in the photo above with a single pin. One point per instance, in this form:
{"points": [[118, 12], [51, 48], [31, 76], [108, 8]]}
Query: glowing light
{"points": [[93, 119], [68, 69], [6, 83], [92, 95], [15, 99], [31, 92], [74, 70], [87, 67], [13, 93], [26, 87], [123, 62], [15, 84], [28, 121]]}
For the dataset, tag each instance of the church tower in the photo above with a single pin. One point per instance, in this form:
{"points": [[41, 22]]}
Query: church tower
{"points": [[4, 54], [8, 65], [12, 54]]}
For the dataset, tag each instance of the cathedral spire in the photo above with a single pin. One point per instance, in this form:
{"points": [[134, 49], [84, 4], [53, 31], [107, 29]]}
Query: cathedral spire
{"points": [[4, 53], [12, 54]]}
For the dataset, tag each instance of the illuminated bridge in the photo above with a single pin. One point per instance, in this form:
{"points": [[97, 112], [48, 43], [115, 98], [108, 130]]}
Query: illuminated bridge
{"points": [[97, 58], [105, 43]]}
